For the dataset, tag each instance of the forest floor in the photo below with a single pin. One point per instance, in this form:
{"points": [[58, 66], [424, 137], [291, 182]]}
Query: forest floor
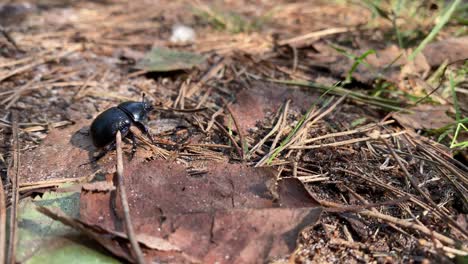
{"points": [[305, 132]]}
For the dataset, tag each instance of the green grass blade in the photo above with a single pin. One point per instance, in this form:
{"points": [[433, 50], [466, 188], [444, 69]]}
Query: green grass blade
{"points": [[443, 20], [360, 97], [454, 97], [356, 63], [298, 125]]}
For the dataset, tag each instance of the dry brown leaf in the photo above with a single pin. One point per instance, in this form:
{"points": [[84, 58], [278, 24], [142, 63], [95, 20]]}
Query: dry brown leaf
{"points": [[391, 63], [227, 215], [425, 117], [254, 105]]}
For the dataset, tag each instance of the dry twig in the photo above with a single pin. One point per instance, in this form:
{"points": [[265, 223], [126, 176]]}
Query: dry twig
{"points": [[123, 199], [239, 130], [13, 174]]}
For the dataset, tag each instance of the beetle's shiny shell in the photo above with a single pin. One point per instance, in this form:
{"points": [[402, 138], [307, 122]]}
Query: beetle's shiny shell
{"points": [[136, 110], [105, 126]]}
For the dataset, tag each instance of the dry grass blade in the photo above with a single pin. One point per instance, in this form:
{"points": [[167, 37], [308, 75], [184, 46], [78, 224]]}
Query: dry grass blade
{"points": [[311, 118], [13, 174], [357, 208], [346, 142], [276, 128], [208, 76], [162, 153], [38, 62], [313, 36], [281, 126], [347, 133], [126, 209]]}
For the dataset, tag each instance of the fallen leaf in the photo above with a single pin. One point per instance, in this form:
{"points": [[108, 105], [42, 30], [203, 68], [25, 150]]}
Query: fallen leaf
{"points": [[66, 153], [425, 117], [450, 49], [59, 155], [228, 215], [293, 193], [387, 63], [255, 105], [156, 243], [43, 240], [162, 59]]}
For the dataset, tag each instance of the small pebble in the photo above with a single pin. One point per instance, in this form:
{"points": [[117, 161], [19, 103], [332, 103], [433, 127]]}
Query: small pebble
{"points": [[182, 34]]}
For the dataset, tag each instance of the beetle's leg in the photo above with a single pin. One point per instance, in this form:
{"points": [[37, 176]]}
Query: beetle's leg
{"points": [[144, 130], [106, 149], [101, 153], [134, 144]]}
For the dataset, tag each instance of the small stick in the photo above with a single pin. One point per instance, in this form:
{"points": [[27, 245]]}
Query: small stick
{"points": [[346, 142], [13, 174], [239, 150], [123, 198], [239, 131], [9, 38]]}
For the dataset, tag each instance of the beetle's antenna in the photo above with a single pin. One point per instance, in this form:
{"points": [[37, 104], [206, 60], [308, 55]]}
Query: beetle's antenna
{"points": [[143, 97]]}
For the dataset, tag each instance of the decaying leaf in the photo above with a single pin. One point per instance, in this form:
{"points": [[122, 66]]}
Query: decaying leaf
{"points": [[425, 117], [66, 153], [227, 215], [162, 59], [293, 193], [156, 243], [254, 105], [60, 155], [43, 240], [387, 63]]}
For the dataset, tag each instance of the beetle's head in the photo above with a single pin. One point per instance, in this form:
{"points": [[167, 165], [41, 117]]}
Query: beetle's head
{"points": [[138, 111]]}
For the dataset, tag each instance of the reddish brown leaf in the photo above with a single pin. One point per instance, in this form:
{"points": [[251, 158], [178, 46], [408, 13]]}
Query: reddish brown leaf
{"points": [[60, 155], [451, 49], [66, 153], [293, 193], [388, 62], [227, 215], [254, 105], [425, 117]]}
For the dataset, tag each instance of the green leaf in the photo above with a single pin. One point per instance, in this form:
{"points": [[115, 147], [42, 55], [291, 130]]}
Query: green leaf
{"points": [[358, 122], [162, 59], [71, 253], [43, 240]]}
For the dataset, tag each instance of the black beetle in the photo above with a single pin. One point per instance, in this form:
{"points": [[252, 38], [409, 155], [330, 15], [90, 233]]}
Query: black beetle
{"points": [[119, 118]]}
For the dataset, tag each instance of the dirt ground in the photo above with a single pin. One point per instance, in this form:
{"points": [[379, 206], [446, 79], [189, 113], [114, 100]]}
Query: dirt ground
{"points": [[320, 98]]}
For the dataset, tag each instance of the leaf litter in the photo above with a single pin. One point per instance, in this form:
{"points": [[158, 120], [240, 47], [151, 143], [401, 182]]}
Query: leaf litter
{"points": [[330, 188]]}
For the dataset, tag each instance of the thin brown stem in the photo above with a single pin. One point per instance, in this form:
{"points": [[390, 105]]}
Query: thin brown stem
{"points": [[239, 150], [126, 209], [13, 174], [238, 128]]}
